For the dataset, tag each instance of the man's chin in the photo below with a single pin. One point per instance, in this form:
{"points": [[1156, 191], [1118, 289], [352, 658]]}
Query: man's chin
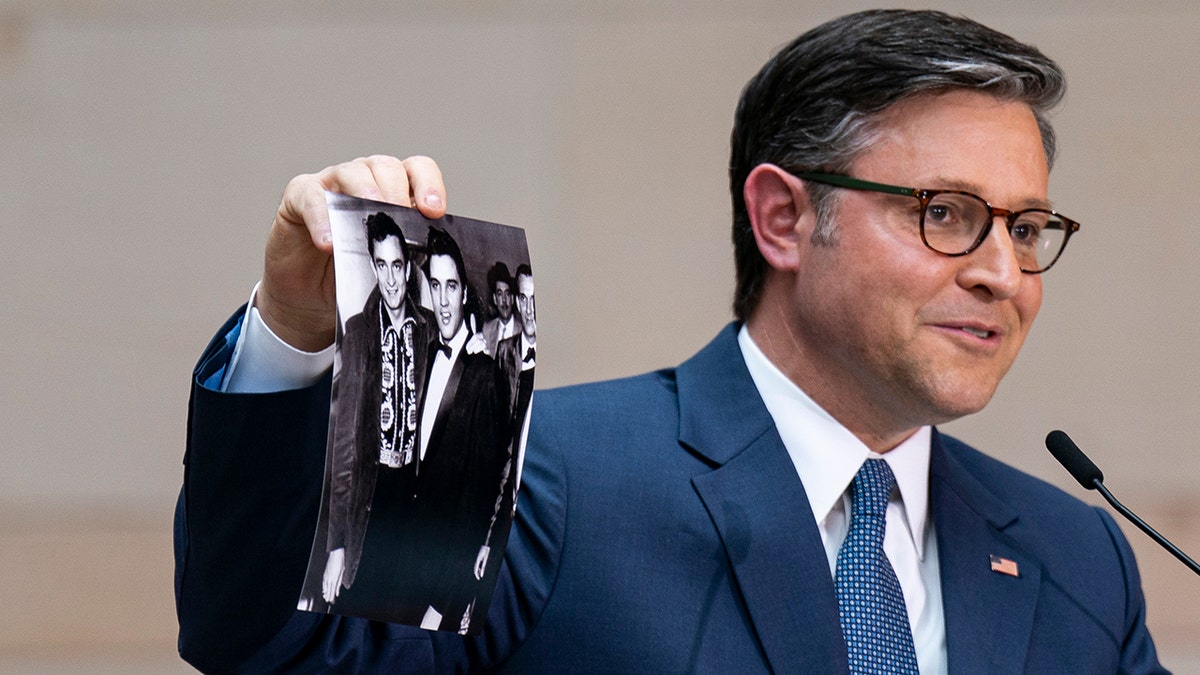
{"points": [[961, 404]]}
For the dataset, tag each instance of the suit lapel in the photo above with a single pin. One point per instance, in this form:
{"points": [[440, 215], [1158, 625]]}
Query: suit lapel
{"points": [[759, 508], [451, 390], [989, 614]]}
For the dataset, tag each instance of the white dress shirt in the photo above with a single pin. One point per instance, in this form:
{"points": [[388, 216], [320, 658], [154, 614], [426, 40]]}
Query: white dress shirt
{"points": [[439, 377], [827, 456], [263, 363], [526, 345], [507, 328]]}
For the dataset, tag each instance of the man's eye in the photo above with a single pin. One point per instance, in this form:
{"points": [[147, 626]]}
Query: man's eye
{"points": [[1026, 232], [944, 214]]}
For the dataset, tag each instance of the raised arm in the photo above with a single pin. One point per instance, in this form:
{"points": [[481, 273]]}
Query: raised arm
{"points": [[254, 464]]}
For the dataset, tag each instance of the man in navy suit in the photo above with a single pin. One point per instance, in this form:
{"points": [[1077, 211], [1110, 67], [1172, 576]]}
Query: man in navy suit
{"points": [[889, 178]]}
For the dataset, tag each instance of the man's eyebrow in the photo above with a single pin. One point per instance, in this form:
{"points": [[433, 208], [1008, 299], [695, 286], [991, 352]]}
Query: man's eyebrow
{"points": [[944, 183]]}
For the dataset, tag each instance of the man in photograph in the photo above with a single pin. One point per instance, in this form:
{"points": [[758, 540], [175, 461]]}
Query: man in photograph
{"points": [[515, 359], [782, 501], [516, 356], [464, 421], [376, 404], [505, 324]]}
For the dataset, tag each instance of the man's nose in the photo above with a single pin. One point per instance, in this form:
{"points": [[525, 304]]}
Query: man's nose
{"points": [[994, 265]]}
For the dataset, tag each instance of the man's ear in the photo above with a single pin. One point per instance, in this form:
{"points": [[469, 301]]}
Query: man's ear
{"points": [[781, 214]]}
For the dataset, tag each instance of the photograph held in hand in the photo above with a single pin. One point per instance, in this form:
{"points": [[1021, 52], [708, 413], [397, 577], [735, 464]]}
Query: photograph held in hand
{"points": [[426, 415]]}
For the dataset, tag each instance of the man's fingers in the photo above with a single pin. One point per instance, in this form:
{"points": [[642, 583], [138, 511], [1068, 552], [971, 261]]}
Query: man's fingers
{"points": [[481, 561], [415, 182], [327, 588], [303, 205], [331, 581], [428, 189], [391, 178]]}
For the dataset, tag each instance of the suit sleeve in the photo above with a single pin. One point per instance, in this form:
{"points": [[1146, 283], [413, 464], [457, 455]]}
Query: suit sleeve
{"points": [[1138, 654], [244, 524]]}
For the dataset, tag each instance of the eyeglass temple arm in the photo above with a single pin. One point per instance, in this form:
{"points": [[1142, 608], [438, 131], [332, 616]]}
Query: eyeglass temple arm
{"points": [[856, 184]]}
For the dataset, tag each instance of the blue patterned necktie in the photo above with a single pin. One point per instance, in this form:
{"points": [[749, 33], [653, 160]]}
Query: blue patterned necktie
{"points": [[870, 602]]}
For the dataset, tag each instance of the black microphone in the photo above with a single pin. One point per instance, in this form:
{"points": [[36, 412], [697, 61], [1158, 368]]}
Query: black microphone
{"points": [[1070, 456], [1090, 477]]}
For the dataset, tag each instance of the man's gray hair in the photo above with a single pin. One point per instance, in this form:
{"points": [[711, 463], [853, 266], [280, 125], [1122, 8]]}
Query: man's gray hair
{"points": [[814, 106]]}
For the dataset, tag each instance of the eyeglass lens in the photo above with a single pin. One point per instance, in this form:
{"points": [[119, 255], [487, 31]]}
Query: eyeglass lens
{"points": [[954, 223]]}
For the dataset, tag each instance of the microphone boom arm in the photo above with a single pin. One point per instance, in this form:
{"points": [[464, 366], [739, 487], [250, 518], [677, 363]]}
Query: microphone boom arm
{"points": [[1098, 485]]}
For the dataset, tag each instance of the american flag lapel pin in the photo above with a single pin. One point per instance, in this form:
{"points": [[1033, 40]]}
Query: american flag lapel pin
{"points": [[1004, 566]]}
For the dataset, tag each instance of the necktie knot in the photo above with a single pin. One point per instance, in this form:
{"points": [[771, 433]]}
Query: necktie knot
{"points": [[871, 489]]}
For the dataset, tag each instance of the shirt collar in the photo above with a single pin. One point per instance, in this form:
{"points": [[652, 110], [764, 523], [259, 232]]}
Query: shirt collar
{"points": [[385, 316], [456, 343], [827, 455]]}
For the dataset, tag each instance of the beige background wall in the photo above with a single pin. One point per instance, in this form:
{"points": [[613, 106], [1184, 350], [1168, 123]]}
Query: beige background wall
{"points": [[144, 145]]}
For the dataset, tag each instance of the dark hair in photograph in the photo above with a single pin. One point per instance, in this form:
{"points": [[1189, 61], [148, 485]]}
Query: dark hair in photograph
{"points": [[815, 104], [498, 273], [440, 242], [380, 226]]}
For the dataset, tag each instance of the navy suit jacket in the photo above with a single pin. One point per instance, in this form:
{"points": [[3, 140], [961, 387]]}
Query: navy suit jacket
{"points": [[661, 528]]}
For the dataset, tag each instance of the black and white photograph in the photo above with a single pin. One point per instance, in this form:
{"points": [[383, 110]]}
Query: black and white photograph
{"points": [[433, 371]]}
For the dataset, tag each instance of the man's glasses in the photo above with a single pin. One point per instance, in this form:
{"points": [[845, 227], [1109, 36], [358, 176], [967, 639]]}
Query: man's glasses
{"points": [[954, 222]]}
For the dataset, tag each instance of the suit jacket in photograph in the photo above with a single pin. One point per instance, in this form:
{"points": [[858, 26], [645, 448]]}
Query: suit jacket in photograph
{"points": [[509, 360], [491, 332], [661, 528], [458, 485]]}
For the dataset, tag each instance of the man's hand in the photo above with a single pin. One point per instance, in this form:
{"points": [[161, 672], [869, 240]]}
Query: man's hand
{"points": [[335, 567], [476, 344], [481, 561], [297, 299]]}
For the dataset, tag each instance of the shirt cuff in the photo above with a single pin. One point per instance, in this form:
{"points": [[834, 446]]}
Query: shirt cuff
{"points": [[263, 363]]}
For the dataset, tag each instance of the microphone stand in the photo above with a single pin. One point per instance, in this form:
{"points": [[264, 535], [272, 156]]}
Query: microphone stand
{"points": [[1098, 485]]}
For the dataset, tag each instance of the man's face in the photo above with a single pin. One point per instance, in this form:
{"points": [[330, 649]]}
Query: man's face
{"points": [[889, 333], [526, 305], [502, 297], [391, 271], [449, 296]]}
